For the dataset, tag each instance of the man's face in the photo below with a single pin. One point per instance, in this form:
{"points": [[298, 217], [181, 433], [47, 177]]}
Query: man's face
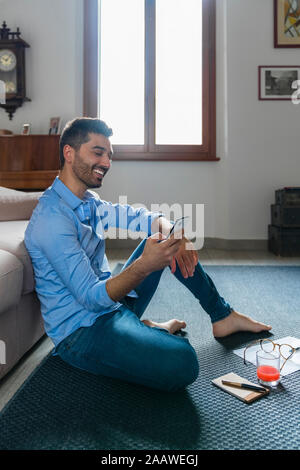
{"points": [[92, 161]]}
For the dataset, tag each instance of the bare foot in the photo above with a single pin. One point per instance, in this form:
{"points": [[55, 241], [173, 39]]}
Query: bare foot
{"points": [[172, 325], [237, 322]]}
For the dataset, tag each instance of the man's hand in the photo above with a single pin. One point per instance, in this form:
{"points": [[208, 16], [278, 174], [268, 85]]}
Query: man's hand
{"points": [[186, 258], [159, 252]]}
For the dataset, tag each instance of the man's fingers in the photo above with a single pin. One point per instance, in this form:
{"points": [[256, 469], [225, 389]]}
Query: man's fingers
{"points": [[186, 265], [158, 236], [178, 234], [190, 266], [189, 263], [173, 265], [189, 246], [182, 267], [173, 241]]}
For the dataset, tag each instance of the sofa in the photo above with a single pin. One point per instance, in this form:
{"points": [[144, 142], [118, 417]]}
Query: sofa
{"points": [[21, 323]]}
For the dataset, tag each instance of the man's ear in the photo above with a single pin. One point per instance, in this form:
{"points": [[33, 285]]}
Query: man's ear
{"points": [[68, 153]]}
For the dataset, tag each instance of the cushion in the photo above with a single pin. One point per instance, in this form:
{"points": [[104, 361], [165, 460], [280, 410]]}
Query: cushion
{"points": [[12, 240], [11, 279], [17, 205]]}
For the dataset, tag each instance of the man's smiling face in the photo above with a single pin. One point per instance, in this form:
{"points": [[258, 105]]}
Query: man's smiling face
{"points": [[93, 160]]}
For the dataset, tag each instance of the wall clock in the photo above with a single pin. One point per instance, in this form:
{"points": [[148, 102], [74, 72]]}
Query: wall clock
{"points": [[12, 68]]}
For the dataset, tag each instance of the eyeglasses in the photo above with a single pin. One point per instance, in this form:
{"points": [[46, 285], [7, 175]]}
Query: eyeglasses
{"points": [[286, 350]]}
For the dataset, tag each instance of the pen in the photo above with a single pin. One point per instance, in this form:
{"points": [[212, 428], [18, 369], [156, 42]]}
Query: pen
{"points": [[247, 386]]}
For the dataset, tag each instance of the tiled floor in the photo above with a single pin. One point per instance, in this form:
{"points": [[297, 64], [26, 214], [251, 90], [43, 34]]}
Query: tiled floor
{"points": [[14, 379]]}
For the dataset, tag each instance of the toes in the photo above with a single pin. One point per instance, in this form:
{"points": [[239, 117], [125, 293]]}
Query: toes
{"points": [[264, 326]]}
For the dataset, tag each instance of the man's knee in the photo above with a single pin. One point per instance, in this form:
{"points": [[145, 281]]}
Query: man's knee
{"points": [[183, 368], [188, 370]]}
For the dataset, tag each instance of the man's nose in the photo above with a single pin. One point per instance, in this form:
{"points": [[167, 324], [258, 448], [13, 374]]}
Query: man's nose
{"points": [[105, 162]]}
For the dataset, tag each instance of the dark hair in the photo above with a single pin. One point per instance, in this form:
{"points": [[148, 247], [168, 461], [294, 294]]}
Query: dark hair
{"points": [[76, 133]]}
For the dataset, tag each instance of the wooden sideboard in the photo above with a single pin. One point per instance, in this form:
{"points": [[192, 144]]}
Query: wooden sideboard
{"points": [[29, 162]]}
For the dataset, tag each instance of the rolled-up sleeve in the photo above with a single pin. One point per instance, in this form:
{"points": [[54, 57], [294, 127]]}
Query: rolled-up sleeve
{"points": [[57, 239], [125, 216]]}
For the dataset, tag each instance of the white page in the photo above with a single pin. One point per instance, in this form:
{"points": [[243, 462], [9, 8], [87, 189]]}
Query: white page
{"points": [[292, 365]]}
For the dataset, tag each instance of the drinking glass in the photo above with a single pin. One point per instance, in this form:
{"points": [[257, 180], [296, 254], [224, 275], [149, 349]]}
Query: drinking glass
{"points": [[268, 367]]}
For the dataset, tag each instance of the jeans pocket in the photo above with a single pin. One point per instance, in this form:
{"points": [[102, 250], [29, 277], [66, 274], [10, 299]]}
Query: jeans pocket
{"points": [[70, 340]]}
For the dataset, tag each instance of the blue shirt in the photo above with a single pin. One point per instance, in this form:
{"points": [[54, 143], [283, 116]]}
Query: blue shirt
{"points": [[66, 243]]}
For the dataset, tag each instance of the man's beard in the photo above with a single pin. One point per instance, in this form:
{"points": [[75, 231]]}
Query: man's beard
{"points": [[84, 173]]}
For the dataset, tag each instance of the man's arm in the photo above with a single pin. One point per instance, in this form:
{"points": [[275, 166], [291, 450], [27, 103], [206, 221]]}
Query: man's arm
{"points": [[133, 275], [57, 239], [125, 216]]}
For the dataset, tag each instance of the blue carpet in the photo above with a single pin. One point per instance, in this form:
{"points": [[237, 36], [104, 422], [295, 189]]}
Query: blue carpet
{"points": [[60, 407]]}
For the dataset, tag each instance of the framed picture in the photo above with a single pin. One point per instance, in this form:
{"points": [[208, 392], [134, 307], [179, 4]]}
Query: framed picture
{"points": [[286, 23], [54, 127], [26, 129], [278, 82]]}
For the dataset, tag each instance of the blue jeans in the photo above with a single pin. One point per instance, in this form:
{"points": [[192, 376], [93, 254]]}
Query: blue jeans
{"points": [[119, 345]]}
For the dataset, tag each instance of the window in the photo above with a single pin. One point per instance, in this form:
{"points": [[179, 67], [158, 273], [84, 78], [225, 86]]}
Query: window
{"points": [[151, 65]]}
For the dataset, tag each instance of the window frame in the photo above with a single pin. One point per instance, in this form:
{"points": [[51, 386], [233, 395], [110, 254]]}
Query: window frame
{"points": [[151, 151]]}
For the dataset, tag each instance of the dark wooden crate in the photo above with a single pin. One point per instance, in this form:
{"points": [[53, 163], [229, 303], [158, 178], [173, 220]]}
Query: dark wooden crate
{"points": [[284, 241], [285, 216], [288, 196]]}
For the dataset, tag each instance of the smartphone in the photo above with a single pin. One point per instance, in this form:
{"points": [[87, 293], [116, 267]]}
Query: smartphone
{"points": [[179, 224]]}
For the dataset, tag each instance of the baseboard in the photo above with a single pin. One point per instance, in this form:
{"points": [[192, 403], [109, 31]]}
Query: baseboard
{"points": [[209, 243], [234, 245]]}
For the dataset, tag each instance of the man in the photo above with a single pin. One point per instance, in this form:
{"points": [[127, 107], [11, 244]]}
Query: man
{"points": [[94, 319]]}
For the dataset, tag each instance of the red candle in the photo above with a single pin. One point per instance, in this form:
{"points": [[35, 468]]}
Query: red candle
{"points": [[268, 373]]}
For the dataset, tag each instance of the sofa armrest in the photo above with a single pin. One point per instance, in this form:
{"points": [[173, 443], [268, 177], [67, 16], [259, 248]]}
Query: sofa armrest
{"points": [[17, 205], [11, 280]]}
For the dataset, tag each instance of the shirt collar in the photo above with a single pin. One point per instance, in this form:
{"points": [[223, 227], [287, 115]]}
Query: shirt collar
{"points": [[66, 194]]}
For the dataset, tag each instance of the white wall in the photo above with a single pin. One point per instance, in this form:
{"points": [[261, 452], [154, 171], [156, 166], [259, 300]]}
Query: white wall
{"points": [[256, 141], [54, 72], [260, 150]]}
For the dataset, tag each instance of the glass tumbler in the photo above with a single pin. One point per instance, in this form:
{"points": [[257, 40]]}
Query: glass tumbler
{"points": [[268, 368]]}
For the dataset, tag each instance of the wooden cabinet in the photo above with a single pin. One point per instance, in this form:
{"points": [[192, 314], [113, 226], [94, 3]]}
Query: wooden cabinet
{"points": [[29, 161]]}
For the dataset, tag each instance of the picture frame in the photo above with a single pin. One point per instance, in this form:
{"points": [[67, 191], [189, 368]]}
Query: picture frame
{"points": [[278, 82], [286, 23], [54, 126], [26, 129]]}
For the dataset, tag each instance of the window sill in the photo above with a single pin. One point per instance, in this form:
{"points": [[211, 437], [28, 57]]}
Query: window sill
{"points": [[136, 156]]}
